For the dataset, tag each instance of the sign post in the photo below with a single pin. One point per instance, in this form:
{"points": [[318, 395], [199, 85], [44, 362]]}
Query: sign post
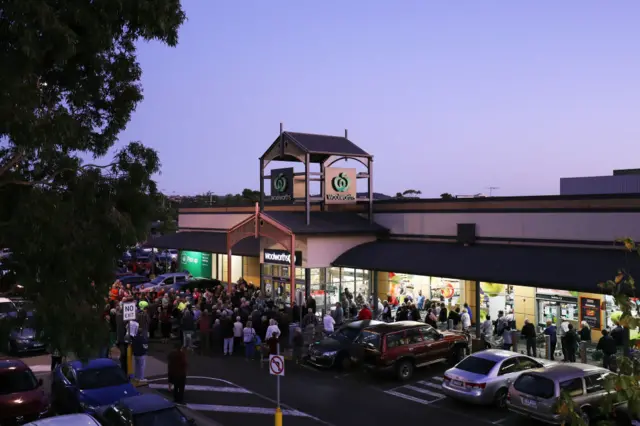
{"points": [[276, 368], [129, 314]]}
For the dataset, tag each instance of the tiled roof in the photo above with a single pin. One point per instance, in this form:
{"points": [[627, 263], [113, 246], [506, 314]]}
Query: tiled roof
{"points": [[327, 223]]}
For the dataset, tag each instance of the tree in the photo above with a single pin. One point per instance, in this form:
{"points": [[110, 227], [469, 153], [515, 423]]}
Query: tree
{"points": [[409, 193], [446, 196], [623, 386], [69, 82]]}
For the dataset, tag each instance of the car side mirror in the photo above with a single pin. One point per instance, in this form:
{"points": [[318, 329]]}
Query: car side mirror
{"points": [[40, 382]]}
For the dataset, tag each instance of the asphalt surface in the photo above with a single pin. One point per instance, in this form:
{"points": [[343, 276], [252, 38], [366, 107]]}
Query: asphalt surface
{"points": [[230, 391]]}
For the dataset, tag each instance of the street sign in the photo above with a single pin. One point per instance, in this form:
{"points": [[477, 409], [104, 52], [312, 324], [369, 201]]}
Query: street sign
{"points": [[129, 311], [276, 365]]}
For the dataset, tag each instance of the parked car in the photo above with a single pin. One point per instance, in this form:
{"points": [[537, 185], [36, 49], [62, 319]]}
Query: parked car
{"points": [[22, 396], [166, 281], [68, 420], [484, 377], [401, 347], [201, 284], [5, 253], [134, 279], [82, 387], [335, 350], [142, 410], [24, 339], [7, 308], [535, 393]]}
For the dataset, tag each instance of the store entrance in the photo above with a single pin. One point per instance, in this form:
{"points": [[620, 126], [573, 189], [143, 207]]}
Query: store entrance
{"points": [[557, 311], [276, 282]]}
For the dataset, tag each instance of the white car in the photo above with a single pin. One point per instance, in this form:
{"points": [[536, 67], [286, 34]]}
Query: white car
{"points": [[68, 420]]}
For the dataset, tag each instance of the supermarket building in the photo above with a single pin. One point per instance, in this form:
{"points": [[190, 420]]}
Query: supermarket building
{"points": [[539, 257]]}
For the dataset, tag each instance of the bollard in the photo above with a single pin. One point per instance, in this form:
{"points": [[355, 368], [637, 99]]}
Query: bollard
{"points": [[130, 371], [583, 352], [547, 347], [278, 416], [514, 339], [450, 324]]}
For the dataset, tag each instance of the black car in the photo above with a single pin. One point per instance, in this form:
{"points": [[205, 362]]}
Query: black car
{"points": [[142, 410], [335, 349], [200, 284], [133, 279]]}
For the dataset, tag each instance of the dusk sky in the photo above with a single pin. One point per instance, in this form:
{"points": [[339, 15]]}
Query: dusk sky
{"points": [[448, 96]]}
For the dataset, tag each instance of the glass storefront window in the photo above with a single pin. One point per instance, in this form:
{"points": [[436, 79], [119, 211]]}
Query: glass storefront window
{"points": [[363, 285], [556, 306], [447, 289], [494, 298], [402, 285]]}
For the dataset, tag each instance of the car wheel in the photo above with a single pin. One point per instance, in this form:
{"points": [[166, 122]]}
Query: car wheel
{"points": [[11, 348], [584, 415], [500, 399], [405, 370], [343, 362], [458, 355]]}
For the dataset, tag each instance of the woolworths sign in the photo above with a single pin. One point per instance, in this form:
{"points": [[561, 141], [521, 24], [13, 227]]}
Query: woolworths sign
{"points": [[281, 257]]}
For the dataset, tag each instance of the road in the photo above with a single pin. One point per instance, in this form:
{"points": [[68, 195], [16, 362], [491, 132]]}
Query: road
{"points": [[233, 392]]}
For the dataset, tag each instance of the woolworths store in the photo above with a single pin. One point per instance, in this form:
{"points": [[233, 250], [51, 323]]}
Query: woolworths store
{"points": [[540, 257]]}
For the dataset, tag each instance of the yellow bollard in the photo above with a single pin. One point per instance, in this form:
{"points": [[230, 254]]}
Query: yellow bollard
{"points": [[129, 361], [278, 416]]}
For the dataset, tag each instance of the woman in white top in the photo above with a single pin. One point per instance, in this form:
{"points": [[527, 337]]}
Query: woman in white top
{"points": [[249, 339], [328, 322], [273, 328], [465, 319]]}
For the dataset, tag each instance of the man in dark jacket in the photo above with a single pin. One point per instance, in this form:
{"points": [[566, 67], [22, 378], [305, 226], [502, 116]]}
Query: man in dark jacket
{"points": [[607, 345], [177, 373], [529, 333], [121, 332], [140, 346], [571, 342]]}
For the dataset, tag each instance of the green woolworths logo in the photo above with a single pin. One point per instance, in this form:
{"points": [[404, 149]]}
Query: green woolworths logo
{"points": [[340, 182], [280, 183]]}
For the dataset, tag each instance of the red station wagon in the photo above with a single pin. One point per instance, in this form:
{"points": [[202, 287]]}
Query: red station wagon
{"points": [[400, 347], [22, 396]]}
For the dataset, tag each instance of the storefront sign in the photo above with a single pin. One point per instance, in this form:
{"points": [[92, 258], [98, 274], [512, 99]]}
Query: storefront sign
{"points": [[340, 186], [557, 298], [282, 185], [196, 263], [282, 257], [590, 312]]}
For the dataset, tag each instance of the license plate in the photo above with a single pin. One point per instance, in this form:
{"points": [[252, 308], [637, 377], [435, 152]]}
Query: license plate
{"points": [[457, 383], [530, 402], [313, 358]]}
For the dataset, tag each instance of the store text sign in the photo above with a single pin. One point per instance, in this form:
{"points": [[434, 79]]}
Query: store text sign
{"points": [[590, 312], [340, 186], [282, 257], [282, 186]]}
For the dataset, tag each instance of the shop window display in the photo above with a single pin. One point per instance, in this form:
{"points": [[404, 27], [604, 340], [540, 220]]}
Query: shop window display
{"points": [[403, 285], [447, 289], [613, 314], [495, 298], [557, 305]]}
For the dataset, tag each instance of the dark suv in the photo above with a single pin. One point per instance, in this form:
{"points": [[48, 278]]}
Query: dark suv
{"points": [[400, 347]]}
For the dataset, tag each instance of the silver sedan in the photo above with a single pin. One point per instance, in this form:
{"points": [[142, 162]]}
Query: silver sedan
{"points": [[484, 377]]}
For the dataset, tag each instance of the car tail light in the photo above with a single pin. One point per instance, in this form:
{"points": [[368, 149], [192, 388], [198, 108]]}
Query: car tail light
{"points": [[509, 396], [447, 378], [476, 385]]}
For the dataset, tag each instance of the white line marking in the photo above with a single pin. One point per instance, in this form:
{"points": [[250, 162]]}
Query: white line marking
{"points": [[42, 368], [424, 391], [226, 389], [498, 422], [245, 410], [438, 379], [410, 398], [431, 385]]}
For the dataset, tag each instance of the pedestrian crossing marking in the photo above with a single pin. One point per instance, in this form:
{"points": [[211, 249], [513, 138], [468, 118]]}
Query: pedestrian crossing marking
{"points": [[244, 410], [424, 391], [408, 397], [42, 368], [199, 388], [438, 379], [431, 385]]}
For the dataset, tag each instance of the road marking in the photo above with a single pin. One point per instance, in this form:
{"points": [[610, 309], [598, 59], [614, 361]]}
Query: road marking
{"points": [[244, 410], [226, 389], [498, 421], [424, 391], [431, 385], [438, 379], [41, 368], [408, 397]]}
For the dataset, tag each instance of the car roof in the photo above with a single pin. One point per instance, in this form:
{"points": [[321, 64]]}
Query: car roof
{"points": [[68, 420], [358, 324], [145, 403], [563, 372], [496, 355], [5, 300], [389, 327], [93, 364], [13, 364]]}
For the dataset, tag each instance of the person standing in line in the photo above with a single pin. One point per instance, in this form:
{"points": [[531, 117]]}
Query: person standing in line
{"points": [[507, 337], [571, 340], [328, 323], [188, 327], [249, 339], [226, 328], [204, 325], [529, 333], [465, 319], [177, 373], [607, 345], [238, 329], [140, 347], [486, 331], [552, 332], [585, 332], [564, 328]]}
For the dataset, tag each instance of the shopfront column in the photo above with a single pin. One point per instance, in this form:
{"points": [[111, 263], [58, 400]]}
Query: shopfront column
{"points": [[307, 283], [374, 292], [476, 315]]}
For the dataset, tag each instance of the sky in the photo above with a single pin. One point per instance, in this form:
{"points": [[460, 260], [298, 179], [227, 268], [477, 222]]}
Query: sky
{"points": [[449, 97]]}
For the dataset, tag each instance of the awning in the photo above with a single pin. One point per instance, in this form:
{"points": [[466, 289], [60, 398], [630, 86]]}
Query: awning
{"points": [[208, 242], [573, 269]]}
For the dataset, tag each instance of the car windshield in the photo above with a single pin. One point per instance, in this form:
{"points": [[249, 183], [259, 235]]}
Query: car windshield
{"points": [[25, 305], [347, 333], [476, 365], [101, 378], [535, 385], [7, 307], [12, 381], [158, 279], [167, 417], [370, 339]]}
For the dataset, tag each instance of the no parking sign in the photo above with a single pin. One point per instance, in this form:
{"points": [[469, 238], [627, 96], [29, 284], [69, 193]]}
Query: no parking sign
{"points": [[276, 365]]}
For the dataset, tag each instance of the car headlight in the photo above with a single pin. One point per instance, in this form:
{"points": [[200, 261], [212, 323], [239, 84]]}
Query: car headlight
{"points": [[87, 407], [330, 354]]}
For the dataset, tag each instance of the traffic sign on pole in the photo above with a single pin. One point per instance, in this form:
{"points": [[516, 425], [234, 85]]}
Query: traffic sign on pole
{"points": [[276, 365], [129, 311]]}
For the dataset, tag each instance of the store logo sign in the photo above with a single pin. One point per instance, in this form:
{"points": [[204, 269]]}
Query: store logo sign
{"points": [[186, 259], [340, 186], [282, 186], [282, 257]]}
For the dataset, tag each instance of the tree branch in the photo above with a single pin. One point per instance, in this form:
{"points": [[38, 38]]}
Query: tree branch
{"points": [[12, 162], [47, 180]]}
